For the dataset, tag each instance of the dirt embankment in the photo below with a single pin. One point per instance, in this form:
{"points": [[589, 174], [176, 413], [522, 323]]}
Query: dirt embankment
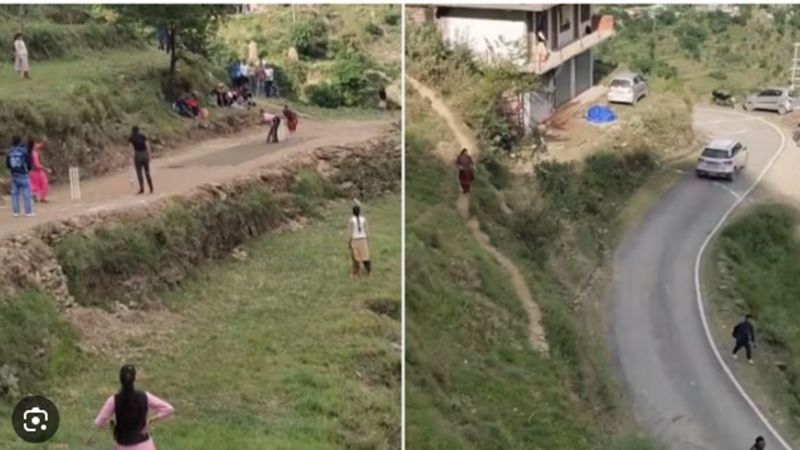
{"points": [[127, 256]]}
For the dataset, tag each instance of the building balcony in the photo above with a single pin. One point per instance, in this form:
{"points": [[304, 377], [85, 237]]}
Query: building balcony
{"points": [[602, 29]]}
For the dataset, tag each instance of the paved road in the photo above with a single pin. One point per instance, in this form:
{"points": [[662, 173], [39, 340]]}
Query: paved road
{"points": [[215, 160], [679, 390]]}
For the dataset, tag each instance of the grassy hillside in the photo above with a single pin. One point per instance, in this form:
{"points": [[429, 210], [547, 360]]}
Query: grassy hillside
{"points": [[682, 47], [473, 380], [281, 350], [754, 268]]}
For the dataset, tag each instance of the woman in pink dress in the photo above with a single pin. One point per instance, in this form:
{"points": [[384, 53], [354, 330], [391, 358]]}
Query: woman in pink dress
{"points": [[130, 407], [39, 184]]}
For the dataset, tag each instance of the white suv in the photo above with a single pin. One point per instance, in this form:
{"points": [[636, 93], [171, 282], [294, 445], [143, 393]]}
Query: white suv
{"points": [[627, 87], [722, 158]]}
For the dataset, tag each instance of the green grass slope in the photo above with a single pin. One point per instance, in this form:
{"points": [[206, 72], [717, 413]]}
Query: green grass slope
{"points": [[473, 380], [280, 351], [754, 268]]}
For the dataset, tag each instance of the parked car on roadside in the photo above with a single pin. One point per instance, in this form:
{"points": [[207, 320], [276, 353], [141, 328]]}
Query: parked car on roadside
{"points": [[722, 158], [627, 87], [781, 100]]}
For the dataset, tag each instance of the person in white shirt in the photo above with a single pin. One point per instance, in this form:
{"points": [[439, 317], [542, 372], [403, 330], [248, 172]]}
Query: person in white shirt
{"points": [[359, 245], [21, 57], [269, 79]]}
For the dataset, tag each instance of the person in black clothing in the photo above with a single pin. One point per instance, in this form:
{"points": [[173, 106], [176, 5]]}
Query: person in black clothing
{"points": [[273, 131], [760, 444], [745, 334], [141, 158]]}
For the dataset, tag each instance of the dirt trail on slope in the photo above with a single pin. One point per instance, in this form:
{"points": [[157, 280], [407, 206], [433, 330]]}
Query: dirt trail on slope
{"points": [[536, 332], [212, 161]]}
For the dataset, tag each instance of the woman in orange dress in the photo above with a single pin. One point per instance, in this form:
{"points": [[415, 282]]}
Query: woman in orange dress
{"points": [[38, 176]]}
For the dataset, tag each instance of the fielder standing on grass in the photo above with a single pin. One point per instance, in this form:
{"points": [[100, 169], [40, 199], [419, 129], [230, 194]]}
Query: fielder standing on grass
{"points": [[20, 164]]}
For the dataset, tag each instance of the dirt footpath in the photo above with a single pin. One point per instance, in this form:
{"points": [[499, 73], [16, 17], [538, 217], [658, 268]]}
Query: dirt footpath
{"points": [[197, 164]]}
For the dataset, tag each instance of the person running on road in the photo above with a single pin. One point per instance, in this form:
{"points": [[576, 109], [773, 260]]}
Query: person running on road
{"points": [[39, 183], [19, 164], [466, 171], [760, 444], [130, 407], [141, 158], [745, 334], [358, 243]]}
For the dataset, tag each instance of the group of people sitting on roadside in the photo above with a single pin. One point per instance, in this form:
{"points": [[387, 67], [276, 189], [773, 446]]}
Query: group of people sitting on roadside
{"points": [[189, 106], [238, 97]]}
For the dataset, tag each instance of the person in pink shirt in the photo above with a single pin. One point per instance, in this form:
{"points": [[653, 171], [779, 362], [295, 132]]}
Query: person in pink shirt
{"points": [[39, 183], [274, 122], [131, 407]]}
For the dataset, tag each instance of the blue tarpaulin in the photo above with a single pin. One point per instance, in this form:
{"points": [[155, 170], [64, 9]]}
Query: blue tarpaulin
{"points": [[600, 114]]}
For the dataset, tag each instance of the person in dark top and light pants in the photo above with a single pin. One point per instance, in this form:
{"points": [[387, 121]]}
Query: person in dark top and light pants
{"points": [[20, 164], [141, 158], [745, 335]]}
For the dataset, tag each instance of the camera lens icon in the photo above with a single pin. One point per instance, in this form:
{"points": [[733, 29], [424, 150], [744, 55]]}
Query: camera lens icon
{"points": [[35, 419]]}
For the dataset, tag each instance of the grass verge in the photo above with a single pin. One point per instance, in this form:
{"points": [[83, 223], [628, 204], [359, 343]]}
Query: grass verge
{"points": [[754, 267], [279, 351]]}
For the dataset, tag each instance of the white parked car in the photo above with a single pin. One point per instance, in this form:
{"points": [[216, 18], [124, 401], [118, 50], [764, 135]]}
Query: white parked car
{"points": [[722, 158], [627, 87], [780, 100]]}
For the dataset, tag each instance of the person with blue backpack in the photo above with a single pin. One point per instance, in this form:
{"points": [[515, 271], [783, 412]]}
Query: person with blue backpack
{"points": [[20, 164]]}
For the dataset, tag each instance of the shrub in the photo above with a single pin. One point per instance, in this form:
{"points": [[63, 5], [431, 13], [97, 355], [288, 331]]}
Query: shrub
{"points": [[323, 94], [373, 30], [392, 17], [310, 38]]}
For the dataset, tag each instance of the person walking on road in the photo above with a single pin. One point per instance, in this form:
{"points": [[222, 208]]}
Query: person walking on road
{"points": [[21, 57], [760, 444], [130, 407], [291, 119], [39, 182], [745, 335], [466, 171], [19, 164], [141, 159], [358, 243]]}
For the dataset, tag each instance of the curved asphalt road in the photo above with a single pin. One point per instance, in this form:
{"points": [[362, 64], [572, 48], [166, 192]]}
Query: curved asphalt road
{"points": [[679, 390]]}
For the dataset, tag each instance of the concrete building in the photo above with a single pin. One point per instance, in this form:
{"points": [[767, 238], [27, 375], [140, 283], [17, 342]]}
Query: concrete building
{"points": [[552, 42]]}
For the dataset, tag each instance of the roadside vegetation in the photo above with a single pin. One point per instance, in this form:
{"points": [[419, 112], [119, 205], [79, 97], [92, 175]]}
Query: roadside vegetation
{"points": [[344, 53], [754, 268], [696, 48]]}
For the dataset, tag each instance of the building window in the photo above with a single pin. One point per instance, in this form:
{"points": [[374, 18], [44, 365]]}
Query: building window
{"points": [[586, 13], [564, 16]]}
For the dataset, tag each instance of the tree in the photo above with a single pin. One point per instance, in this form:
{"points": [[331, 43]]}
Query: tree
{"points": [[188, 27]]}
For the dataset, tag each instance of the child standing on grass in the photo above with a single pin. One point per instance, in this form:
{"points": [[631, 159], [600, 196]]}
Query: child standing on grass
{"points": [[39, 183], [19, 164], [130, 407], [21, 57], [358, 243]]}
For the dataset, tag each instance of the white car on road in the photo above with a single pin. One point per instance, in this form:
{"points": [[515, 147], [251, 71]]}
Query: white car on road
{"points": [[627, 87], [722, 158]]}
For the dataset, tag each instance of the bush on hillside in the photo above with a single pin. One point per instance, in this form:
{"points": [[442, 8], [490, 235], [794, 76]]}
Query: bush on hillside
{"points": [[392, 17], [691, 38], [310, 37], [324, 94], [350, 77]]}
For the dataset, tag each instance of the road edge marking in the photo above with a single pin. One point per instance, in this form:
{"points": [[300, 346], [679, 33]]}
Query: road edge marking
{"points": [[698, 261]]}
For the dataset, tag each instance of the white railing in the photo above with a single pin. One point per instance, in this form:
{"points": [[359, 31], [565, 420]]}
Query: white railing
{"points": [[557, 57]]}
